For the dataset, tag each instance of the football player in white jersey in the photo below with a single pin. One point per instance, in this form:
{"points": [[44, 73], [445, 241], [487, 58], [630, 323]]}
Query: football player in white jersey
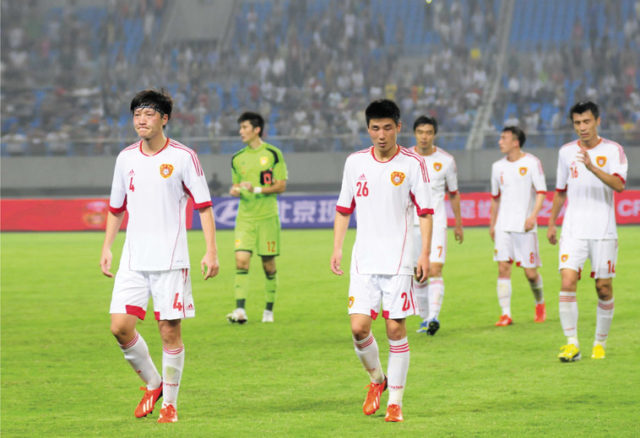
{"points": [[443, 175], [385, 183], [590, 169], [152, 181], [518, 189]]}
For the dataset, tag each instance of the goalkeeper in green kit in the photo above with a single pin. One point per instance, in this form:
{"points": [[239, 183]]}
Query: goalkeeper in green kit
{"points": [[258, 173]]}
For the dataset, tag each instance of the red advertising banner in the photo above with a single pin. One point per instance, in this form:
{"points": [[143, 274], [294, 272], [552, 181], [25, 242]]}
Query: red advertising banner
{"points": [[475, 208], [91, 213], [59, 214]]}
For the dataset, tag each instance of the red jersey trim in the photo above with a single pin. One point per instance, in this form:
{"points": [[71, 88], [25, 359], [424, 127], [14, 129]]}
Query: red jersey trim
{"points": [[541, 192], [346, 210], [423, 166], [153, 155], [135, 311], [424, 211], [398, 148], [455, 192], [194, 156], [621, 178], [117, 210], [495, 196], [561, 190]]}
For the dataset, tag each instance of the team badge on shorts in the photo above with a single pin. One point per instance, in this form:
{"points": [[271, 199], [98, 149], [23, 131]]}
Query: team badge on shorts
{"points": [[601, 161], [523, 171], [166, 170], [437, 166], [564, 257], [397, 178], [351, 300]]}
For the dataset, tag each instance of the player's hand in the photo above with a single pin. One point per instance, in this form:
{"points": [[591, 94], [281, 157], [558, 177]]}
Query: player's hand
{"points": [[458, 233], [336, 258], [584, 158], [105, 262], [209, 265], [529, 223], [421, 271], [246, 185], [551, 234], [234, 191], [492, 233]]}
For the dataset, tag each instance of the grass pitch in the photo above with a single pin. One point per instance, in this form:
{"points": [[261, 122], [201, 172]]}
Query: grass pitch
{"points": [[63, 374]]}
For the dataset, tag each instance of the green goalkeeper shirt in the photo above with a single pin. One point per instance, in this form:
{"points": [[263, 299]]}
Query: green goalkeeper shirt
{"points": [[261, 167]]}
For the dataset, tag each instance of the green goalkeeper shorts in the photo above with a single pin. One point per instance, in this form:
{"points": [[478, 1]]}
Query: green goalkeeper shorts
{"points": [[261, 235]]}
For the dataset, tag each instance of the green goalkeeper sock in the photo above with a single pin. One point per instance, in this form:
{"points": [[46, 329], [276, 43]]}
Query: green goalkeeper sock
{"points": [[270, 285], [241, 285]]}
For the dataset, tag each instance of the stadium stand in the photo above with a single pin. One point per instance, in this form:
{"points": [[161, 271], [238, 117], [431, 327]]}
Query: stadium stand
{"points": [[310, 67]]}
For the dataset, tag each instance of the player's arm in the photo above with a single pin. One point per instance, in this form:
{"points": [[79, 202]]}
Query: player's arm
{"points": [[114, 221], [340, 226], [454, 199], [613, 181], [530, 222], [558, 201], [426, 229], [209, 265], [493, 217], [276, 187]]}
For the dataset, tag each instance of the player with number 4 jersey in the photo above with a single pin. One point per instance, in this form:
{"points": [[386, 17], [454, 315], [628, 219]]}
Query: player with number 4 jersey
{"points": [[590, 170], [152, 181], [385, 184]]}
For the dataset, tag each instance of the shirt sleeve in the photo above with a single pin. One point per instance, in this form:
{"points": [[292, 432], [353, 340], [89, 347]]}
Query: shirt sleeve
{"points": [[452, 177], [421, 189], [539, 182], [562, 174], [280, 169], [235, 176], [619, 164], [346, 201], [195, 183], [118, 197], [495, 181]]}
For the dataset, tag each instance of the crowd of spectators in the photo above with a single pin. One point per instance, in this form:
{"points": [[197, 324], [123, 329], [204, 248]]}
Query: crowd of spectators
{"points": [[309, 67]]}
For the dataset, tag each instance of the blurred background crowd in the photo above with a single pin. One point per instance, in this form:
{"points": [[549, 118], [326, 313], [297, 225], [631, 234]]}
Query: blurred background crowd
{"points": [[69, 69]]}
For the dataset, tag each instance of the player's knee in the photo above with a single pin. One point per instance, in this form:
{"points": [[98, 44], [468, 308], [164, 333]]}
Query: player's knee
{"points": [[604, 290], [359, 332], [122, 332], [270, 274]]}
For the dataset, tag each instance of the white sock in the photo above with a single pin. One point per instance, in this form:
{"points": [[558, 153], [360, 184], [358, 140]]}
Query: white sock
{"points": [[504, 295], [367, 352], [172, 365], [397, 370], [536, 288], [436, 293], [422, 297], [604, 316], [568, 309], [136, 353]]}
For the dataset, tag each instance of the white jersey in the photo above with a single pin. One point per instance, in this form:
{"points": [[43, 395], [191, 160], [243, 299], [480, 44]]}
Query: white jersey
{"points": [[443, 175], [385, 194], [154, 190], [590, 210], [516, 183]]}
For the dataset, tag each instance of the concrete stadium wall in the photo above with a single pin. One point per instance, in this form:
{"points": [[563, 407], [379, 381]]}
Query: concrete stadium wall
{"points": [[308, 172]]}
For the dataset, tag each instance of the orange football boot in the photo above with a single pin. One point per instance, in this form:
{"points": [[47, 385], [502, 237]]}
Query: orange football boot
{"points": [[394, 413], [541, 313], [372, 402], [168, 414], [148, 402], [504, 320]]}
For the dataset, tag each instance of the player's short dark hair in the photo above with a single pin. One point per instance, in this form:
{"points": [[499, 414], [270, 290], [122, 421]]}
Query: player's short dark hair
{"points": [[158, 100], [517, 132], [583, 107], [382, 109], [255, 119], [426, 120]]}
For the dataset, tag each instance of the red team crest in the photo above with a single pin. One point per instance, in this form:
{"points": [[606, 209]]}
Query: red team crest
{"points": [[166, 170], [523, 171], [397, 178], [437, 166], [601, 161]]}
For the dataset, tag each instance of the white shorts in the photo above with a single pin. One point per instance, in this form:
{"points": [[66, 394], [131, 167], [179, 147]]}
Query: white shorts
{"points": [[394, 292], [438, 245], [170, 290], [521, 248], [603, 255]]}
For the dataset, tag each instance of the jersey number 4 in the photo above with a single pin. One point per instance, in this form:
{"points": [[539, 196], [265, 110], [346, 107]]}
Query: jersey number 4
{"points": [[131, 186], [363, 190]]}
